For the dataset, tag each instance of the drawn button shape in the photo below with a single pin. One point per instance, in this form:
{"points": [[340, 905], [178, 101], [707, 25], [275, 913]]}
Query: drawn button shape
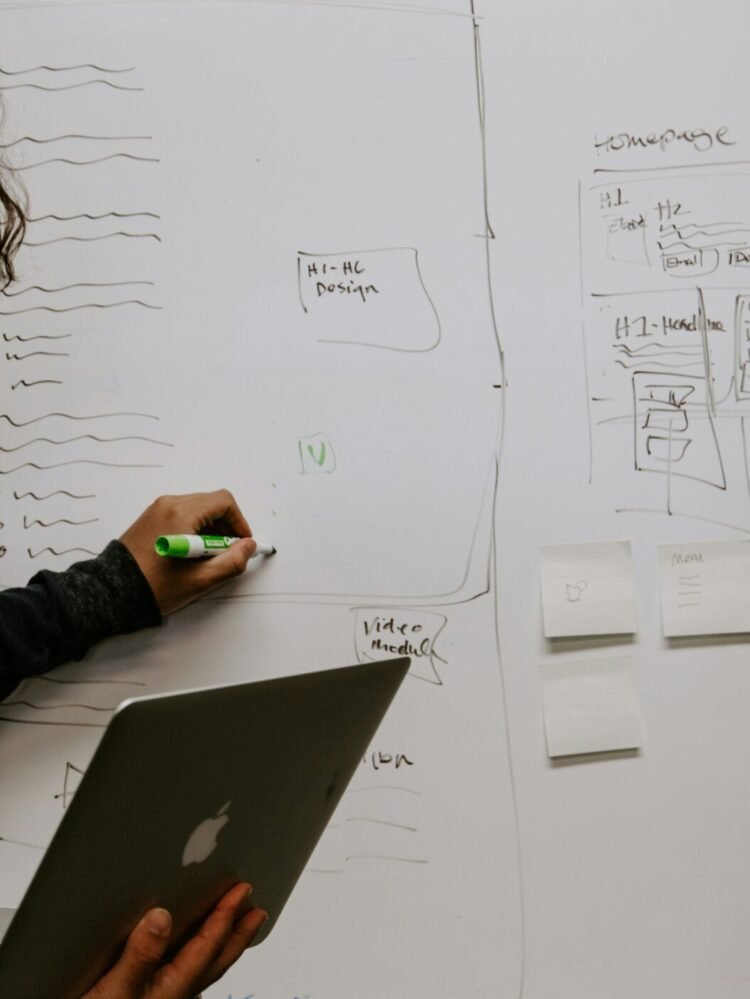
{"points": [[316, 454]]}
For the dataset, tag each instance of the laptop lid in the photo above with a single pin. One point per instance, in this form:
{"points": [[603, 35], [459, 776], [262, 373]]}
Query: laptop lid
{"points": [[187, 794]]}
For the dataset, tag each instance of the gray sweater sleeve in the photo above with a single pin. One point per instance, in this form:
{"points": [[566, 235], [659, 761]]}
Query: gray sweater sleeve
{"points": [[60, 615]]}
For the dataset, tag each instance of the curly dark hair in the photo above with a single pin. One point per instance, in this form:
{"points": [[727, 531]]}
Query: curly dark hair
{"points": [[12, 231]]}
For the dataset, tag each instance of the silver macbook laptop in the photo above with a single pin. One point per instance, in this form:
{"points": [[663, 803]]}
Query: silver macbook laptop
{"points": [[187, 794]]}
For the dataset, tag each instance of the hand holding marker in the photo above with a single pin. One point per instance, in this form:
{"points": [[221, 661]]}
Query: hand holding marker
{"points": [[201, 545]]}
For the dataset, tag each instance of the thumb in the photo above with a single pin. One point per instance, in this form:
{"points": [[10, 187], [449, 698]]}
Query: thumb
{"points": [[229, 564], [141, 957]]}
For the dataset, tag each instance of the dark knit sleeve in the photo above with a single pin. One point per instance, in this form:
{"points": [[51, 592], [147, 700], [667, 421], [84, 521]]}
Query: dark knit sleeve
{"points": [[60, 615]]}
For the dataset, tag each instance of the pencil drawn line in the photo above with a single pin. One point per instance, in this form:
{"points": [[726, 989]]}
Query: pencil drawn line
{"points": [[78, 284], [35, 353], [38, 336], [385, 787], [77, 461], [71, 416], [95, 239], [89, 437], [65, 551], [64, 69], [20, 842], [70, 86], [40, 381], [382, 856], [75, 136], [66, 794], [57, 492], [66, 682], [93, 218], [68, 724], [80, 308], [380, 822], [659, 364], [53, 707], [100, 159], [679, 166], [62, 520]]}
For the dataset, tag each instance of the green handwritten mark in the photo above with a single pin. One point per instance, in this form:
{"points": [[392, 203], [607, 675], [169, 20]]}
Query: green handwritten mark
{"points": [[321, 456], [316, 454]]}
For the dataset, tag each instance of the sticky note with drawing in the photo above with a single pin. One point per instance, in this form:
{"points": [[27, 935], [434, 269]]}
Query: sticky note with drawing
{"points": [[705, 588], [588, 589], [590, 706]]}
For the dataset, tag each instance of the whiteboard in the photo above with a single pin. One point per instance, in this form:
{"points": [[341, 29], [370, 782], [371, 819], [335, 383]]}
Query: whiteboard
{"points": [[377, 275]]}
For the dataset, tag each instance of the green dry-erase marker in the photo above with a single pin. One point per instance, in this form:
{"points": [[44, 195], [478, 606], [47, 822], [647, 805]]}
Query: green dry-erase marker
{"points": [[200, 545]]}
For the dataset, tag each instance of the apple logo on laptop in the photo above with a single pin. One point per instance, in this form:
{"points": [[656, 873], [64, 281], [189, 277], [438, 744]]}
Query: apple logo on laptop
{"points": [[203, 839]]}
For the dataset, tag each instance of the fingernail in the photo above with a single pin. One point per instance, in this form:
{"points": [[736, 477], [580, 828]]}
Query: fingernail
{"points": [[159, 922]]}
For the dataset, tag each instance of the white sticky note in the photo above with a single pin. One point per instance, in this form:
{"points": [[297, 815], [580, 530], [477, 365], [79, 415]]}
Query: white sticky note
{"points": [[705, 588], [590, 706], [588, 589]]}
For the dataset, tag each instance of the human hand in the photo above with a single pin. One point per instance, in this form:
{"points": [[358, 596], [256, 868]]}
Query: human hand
{"points": [[175, 582], [140, 973]]}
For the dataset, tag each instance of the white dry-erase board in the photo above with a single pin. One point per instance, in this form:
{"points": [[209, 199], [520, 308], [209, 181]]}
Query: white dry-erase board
{"points": [[429, 285]]}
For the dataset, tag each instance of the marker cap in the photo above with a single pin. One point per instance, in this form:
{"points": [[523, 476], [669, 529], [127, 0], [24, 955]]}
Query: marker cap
{"points": [[176, 545]]}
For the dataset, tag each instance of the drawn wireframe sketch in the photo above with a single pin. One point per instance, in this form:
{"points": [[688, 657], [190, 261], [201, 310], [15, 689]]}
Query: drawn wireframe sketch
{"points": [[667, 341], [369, 298], [382, 632]]}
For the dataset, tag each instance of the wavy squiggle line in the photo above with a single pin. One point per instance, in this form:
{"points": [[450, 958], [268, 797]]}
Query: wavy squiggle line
{"points": [[77, 136], [63, 520], [100, 159], [38, 336], [94, 239], [54, 551], [79, 308], [66, 682], [78, 284], [57, 492], [94, 218], [71, 416], [71, 86], [77, 461], [90, 437], [52, 707], [35, 353], [65, 69], [39, 381]]}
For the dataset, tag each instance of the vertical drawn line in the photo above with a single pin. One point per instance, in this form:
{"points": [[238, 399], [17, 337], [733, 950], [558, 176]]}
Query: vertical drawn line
{"points": [[299, 282], [743, 429], [587, 388], [478, 67], [492, 573], [669, 471], [703, 328]]}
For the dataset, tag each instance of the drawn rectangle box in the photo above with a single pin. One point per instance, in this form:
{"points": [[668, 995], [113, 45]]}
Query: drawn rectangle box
{"points": [[705, 588], [588, 589], [590, 706]]}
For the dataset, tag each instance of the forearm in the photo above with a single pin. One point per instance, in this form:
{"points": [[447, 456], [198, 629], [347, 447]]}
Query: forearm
{"points": [[59, 616]]}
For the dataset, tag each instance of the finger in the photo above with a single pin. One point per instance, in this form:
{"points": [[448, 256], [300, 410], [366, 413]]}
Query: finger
{"points": [[191, 965], [243, 934], [220, 505], [139, 960], [219, 568]]}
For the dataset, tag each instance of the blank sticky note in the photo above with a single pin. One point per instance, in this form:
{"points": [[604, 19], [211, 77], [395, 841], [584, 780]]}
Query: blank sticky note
{"points": [[590, 706], [705, 588], [588, 589]]}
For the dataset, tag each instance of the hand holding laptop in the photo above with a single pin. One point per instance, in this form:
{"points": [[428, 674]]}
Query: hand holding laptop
{"points": [[140, 974]]}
